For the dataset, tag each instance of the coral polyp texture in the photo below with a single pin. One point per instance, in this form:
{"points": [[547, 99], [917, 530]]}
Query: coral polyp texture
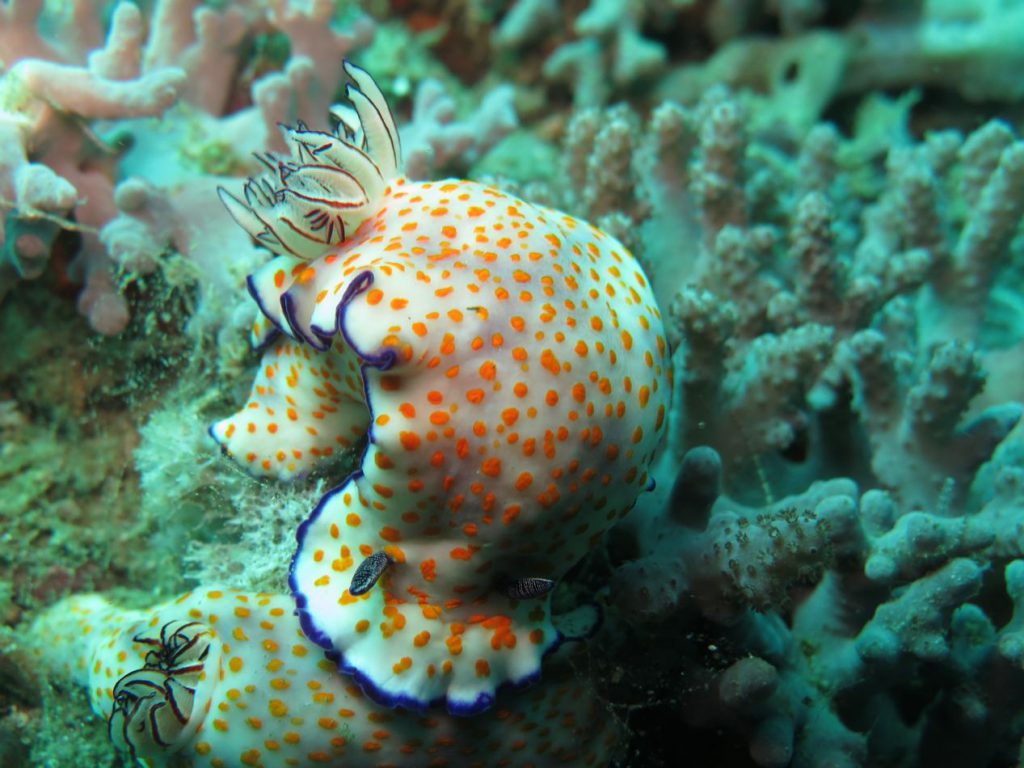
{"points": [[509, 366], [226, 678]]}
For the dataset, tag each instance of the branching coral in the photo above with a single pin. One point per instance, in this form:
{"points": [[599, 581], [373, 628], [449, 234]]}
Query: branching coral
{"points": [[794, 59], [795, 290], [434, 139], [45, 106], [832, 319], [609, 50], [851, 606], [68, 112]]}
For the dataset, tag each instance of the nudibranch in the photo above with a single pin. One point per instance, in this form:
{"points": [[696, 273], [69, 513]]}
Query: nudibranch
{"points": [[223, 678], [508, 366]]}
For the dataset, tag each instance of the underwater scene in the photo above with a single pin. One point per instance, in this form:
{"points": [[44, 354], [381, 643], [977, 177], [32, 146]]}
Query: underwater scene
{"points": [[512, 383]]}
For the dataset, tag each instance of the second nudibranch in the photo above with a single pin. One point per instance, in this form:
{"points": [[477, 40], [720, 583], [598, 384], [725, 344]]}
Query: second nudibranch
{"points": [[508, 365], [226, 679]]}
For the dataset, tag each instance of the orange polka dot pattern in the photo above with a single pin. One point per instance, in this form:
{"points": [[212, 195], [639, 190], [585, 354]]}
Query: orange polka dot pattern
{"points": [[267, 697], [516, 376], [305, 405], [509, 367]]}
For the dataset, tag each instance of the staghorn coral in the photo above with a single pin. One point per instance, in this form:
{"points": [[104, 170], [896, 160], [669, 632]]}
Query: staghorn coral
{"points": [[849, 605], [608, 52], [69, 115], [51, 164]]}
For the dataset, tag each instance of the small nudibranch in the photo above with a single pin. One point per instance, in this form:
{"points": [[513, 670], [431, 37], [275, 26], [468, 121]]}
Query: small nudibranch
{"points": [[508, 365], [223, 678]]}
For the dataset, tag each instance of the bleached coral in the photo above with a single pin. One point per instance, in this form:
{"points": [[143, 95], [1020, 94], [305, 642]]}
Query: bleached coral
{"points": [[610, 49], [72, 112], [436, 140], [44, 104]]}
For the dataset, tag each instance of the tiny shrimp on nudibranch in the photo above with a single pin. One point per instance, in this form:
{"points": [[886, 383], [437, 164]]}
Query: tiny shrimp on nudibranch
{"points": [[223, 678], [508, 365]]}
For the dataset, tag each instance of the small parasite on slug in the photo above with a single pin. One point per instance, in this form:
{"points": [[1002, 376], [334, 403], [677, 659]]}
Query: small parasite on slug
{"points": [[527, 589], [368, 572]]}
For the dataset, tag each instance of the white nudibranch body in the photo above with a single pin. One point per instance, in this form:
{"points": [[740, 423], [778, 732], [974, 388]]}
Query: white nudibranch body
{"points": [[507, 366]]}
